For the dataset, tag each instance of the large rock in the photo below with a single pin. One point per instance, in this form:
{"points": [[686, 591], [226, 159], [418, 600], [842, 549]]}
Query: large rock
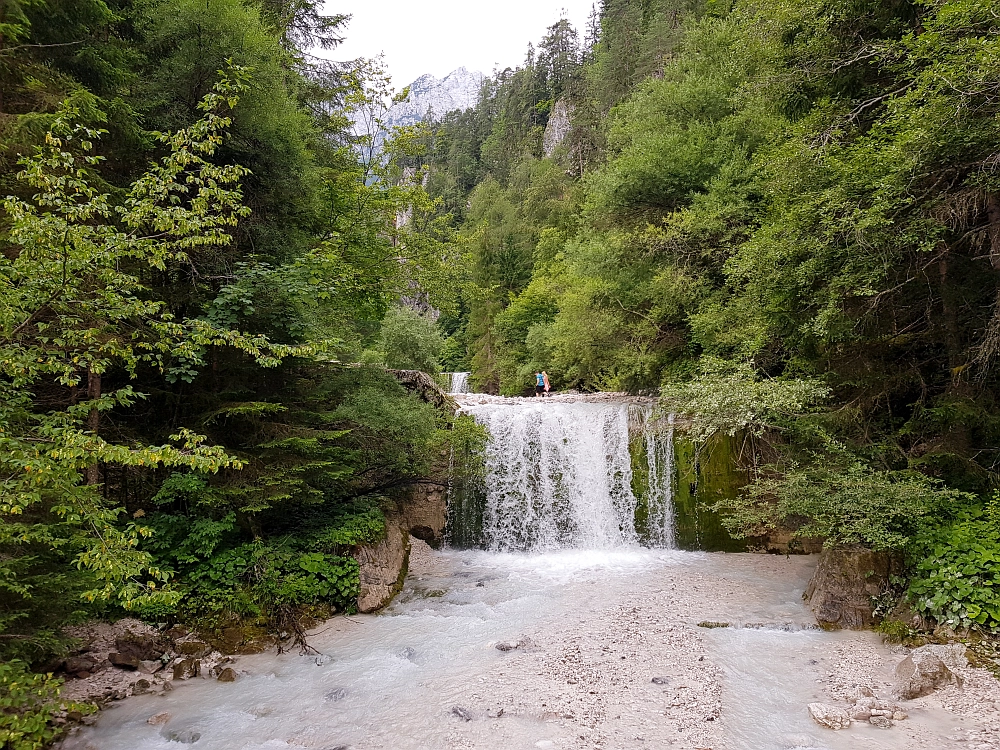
{"points": [[928, 668], [841, 590], [185, 669], [558, 128], [423, 509], [194, 649], [122, 661], [144, 647], [383, 567], [828, 716]]}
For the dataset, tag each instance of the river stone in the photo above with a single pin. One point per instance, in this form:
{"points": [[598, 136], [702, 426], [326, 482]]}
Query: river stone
{"points": [[227, 675], [882, 722], [928, 668], [828, 716], [841, 590], [76, 664], [187, 668], [142, 647], [161, 718], [141, 686], [462, 713], [513, 645], [184, 736], [660, 680], [124, 661]]}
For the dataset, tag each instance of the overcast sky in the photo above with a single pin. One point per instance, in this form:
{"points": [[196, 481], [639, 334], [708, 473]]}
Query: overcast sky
{"points": [[437, 36]]}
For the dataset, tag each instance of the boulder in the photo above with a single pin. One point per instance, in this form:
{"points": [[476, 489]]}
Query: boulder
{"points": [[841, 590], [123, 661], [142, 647], [928, 668], [227, 675], [157, 719], [383, 567], [828, 716], [187, 668], [882, 722], [76, 664], [194, 649]]}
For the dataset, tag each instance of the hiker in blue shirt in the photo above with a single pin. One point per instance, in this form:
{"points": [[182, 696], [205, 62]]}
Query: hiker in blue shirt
{"points": [[541, 384]]}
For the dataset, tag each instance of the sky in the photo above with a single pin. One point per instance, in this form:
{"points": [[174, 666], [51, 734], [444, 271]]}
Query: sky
{"points": [[437, 36]]}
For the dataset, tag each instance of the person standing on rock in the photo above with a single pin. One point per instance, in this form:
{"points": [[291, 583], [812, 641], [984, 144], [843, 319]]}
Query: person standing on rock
{"points": [[541, 384], [548, 386]]}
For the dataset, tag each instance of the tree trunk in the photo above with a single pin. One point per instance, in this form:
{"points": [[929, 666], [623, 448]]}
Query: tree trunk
{"points": [[993, 214], [93, 419]]}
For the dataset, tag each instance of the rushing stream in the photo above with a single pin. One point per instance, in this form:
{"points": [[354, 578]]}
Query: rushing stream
{"points": [[602, 645]]}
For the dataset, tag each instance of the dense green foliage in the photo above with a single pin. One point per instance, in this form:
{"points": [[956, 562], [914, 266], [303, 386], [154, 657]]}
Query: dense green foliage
{"points": [[782, 213], [28, 704], [957, 577], [197, 235]]}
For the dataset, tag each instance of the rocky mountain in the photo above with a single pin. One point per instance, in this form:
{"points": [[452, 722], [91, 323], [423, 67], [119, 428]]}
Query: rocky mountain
{"points": [[457, 90]]}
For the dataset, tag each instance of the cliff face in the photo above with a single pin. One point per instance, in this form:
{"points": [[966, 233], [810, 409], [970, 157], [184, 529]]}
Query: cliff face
{"points": [[457, 90], [418, 510], [558, 127]]}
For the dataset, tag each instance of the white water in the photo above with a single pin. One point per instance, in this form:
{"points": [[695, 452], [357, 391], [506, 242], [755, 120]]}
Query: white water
{"points": [[391, 681], [458, 382], [660, 496], [559, 475]]}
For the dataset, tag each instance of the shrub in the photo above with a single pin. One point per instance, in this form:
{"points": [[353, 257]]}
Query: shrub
{"points": [[881, 510], [28, 704], [957, 576]]}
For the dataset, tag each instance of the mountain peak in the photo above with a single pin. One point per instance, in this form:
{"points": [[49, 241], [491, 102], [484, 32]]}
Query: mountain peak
{"points": [[457, 90]]}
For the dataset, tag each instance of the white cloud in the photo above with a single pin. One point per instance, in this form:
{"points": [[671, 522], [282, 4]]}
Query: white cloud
{"points": [[437, 36]]}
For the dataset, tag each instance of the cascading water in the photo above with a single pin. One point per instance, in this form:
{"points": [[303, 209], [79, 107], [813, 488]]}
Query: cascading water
{"points": [[659, 441], [458, 382], [525, 647], [560, 474]]}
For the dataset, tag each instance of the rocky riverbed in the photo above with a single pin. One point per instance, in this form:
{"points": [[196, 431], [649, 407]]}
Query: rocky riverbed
{"points": [[569, 650]]}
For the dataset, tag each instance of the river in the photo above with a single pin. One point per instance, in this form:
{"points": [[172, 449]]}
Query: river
{"points": [[561, 631]]}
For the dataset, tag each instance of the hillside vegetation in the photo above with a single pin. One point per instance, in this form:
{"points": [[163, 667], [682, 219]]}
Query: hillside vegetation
{"points": [[784, 216]]}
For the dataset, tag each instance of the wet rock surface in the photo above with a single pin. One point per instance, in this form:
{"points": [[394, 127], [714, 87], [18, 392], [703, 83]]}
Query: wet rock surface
{"points": [[928, 668], [841, 589], [829, 716]]}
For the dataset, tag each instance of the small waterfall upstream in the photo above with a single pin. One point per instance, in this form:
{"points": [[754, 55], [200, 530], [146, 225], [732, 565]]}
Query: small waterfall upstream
{"points": [[569, 475], [458, 382]]}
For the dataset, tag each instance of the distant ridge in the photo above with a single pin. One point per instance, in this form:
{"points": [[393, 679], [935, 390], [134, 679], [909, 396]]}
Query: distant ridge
{"points": [[457, 90]]}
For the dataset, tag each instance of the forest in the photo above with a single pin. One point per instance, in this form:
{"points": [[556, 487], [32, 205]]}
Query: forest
{"points": [[782, 216]]}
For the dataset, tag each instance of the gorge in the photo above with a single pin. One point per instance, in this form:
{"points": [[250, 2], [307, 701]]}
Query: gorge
{"points": [[560, 616]]}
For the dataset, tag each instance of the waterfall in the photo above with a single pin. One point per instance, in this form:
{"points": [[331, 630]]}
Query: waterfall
{"points": [[560, 475], [458, 382], [660, 496]]}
